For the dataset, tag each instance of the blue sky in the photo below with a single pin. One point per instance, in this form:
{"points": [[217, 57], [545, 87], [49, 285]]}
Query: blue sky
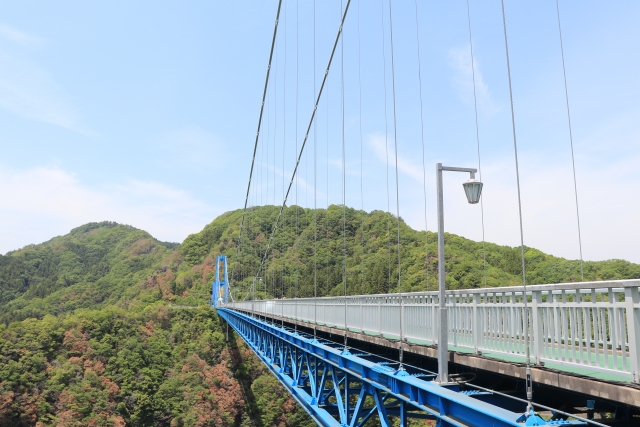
{"points": [[145, 113]]}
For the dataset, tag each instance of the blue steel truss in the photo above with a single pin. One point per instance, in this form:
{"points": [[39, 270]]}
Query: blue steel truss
{"points": [[220, 288], [339, 388]]}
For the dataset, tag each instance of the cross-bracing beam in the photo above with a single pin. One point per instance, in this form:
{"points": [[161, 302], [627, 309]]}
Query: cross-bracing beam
{"points": [[338, 388]]}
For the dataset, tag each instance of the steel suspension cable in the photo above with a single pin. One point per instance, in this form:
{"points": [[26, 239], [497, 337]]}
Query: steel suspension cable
{"points": [[386, 147], [361, 166], [268, 142], [260, 189], [308, 129], [326, 217], [275, 130], [524, 274], [395, 141], [424, 167], [255, 147], [295, 242], [475, 109], [315, 188], [344, 194], [284, 150], [573, 161]]}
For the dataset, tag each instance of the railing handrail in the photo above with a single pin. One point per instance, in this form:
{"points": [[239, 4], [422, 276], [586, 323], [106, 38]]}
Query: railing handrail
{"points": [[584, 287]]}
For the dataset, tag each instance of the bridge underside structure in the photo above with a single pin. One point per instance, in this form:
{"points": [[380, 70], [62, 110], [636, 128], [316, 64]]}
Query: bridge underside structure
{"points": [[338, 387]]}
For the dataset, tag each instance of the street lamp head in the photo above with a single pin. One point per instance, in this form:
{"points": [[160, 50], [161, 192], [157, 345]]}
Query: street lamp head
{"points": [[473, 190]]}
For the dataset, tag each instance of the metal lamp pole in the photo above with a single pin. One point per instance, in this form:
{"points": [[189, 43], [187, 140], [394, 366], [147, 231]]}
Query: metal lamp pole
{"points": [[473, 189]]}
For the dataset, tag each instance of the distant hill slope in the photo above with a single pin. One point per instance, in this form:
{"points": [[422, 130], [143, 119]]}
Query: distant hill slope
{"points": [[94, 265], [371, 255]]}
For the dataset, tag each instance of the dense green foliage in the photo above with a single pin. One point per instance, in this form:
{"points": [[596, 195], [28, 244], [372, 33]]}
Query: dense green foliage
{"points": [[107, 326], [95, 265], [370, 245], [153, 367]]}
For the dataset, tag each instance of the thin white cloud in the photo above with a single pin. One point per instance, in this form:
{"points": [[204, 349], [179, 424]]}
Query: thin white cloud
{"points": [[406, 166], [39, 203], [29, 90], [460, 62], [20, 37]]}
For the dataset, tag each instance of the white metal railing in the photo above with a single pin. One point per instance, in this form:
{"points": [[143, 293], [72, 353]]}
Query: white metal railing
{"points": [[593, 325]]}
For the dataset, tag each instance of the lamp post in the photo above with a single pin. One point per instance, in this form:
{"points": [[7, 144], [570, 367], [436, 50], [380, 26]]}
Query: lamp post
{"points": [[472, 189]]}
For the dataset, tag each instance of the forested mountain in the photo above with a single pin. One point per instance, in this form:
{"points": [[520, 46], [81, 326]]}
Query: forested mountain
{"points": [[94, 265], [101, 327], [370, 250]]}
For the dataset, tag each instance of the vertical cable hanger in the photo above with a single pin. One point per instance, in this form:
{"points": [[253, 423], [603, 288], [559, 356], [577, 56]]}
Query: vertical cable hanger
{"points": [[284, 150], [386, 147], [573, 161], [424, 168], [264, 191], [295, 242], [475, 108], [260, 190], [268, 143], [326, 218], [315, 188], [529, 385], [275, 131], [297, 207], [361, 164], [252, 248], [395, 141], [344, 194]]}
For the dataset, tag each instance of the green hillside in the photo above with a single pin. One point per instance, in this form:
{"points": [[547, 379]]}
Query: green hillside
{"points": [[370, 243], [107, 326], [93, 266]]}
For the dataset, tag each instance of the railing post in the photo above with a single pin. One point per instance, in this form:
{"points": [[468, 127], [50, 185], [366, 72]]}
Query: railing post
{"points": [[379, 316], [477, 326], [434, 320], [536, 324], [632, 298]]}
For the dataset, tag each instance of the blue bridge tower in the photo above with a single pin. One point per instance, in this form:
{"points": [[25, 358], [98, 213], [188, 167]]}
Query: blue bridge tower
{"points": [[220, 288]]}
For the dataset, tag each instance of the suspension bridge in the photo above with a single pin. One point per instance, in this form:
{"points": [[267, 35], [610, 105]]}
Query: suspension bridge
{"points": [[526, 355]]}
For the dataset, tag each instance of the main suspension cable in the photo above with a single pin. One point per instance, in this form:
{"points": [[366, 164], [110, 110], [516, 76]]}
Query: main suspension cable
{"points": [[475, 108], [255, 146], [529, 386], [304, 142], [573, 161]]}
